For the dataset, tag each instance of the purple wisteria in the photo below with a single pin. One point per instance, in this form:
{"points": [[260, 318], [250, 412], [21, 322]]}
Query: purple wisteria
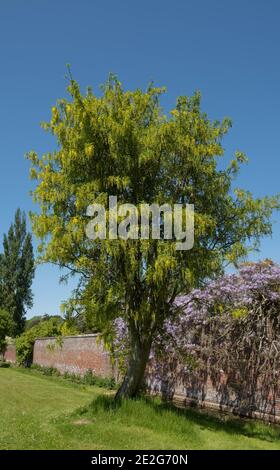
{"points": [[229, 329]]}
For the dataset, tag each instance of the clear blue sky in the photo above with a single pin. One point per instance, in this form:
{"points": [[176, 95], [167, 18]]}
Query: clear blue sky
{"points": [[228, 50]]}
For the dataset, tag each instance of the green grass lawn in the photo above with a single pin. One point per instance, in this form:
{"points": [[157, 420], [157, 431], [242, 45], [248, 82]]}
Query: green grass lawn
{"points": [[39, 412]]}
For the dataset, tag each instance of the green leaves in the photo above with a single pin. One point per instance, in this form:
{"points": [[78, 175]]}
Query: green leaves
{"points": [[120, 143], [17, 271], [6, 327], [25, 342]]}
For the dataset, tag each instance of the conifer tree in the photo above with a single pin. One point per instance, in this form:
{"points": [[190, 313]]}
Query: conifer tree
{"points": [[17, 271]]}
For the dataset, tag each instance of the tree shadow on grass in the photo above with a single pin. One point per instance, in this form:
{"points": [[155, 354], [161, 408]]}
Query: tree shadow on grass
{"points": [[101, 404], [210, 420], [221, 421]]}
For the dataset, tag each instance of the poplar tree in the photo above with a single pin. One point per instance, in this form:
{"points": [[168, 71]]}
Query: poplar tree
{"points": [[17, 272], [120, 143]]}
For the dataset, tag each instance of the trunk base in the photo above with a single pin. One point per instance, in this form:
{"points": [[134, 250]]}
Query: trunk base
{"points": [[133, 380]]}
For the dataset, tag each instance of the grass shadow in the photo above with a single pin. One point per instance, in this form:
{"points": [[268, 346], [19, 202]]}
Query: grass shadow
{"points": [[144, 409], [221, 421]]}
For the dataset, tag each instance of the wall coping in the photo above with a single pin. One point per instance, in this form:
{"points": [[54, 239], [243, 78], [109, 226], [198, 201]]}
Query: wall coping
{"points": [[91, 335]]}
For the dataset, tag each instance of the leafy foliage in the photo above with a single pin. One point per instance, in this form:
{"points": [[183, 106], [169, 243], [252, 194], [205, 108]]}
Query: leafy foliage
{"points": [[17, 271], [120, 143], [38, 319], [48, 326], [6, 326], [88, 379], [25, 342]]}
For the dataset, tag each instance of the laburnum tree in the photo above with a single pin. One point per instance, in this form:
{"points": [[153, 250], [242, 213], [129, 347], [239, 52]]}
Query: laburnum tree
{"points": [[121, 143], [17, 272]]}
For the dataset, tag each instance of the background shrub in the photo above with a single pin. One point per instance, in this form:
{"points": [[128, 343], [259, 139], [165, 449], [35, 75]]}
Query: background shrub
{"points": [[6, 326], [25, 342]]}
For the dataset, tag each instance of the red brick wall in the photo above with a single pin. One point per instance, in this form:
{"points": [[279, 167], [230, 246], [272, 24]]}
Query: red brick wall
{"points": [[220, 395], [75, 354], [10, 353]]}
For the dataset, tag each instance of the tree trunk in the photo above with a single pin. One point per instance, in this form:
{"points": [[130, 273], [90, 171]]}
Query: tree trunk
{"points": [[139, 355]]}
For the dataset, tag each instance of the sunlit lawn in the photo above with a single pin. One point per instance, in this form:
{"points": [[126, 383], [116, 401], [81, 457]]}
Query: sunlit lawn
{"points": [[39, 412]]}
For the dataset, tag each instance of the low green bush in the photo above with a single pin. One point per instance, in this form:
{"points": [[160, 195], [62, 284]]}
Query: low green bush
{"points": [[50, 371], [88, 379], [25, 342], [105, 382], [4, 364], [53, 326]]}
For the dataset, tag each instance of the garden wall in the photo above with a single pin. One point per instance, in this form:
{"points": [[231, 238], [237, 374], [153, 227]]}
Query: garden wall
{"points": [[78, 354], [223, 395], [73, 354], [10, 353]]}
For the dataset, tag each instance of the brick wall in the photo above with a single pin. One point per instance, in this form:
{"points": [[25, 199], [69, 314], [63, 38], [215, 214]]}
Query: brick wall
{"points": [[74, 354], [221, 397], [221, 394], [10, 353], [77, 354]]}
